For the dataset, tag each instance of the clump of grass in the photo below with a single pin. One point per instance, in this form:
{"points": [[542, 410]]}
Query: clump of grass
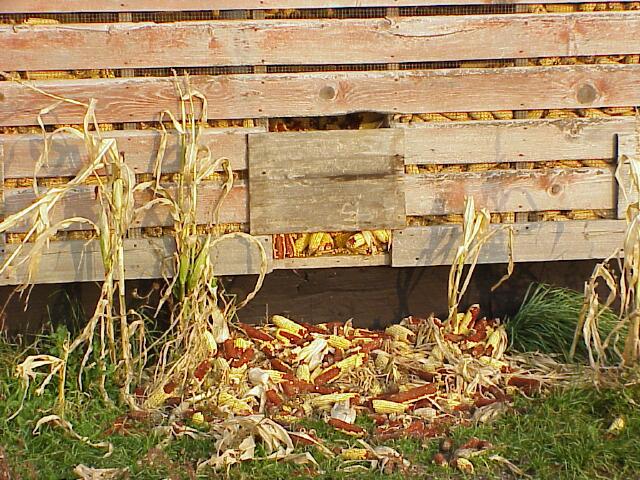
{"points": [[546, 321]]}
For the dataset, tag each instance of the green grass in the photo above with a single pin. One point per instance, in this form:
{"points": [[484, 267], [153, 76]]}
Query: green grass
{"points": [[547, 321], [561, 436]]}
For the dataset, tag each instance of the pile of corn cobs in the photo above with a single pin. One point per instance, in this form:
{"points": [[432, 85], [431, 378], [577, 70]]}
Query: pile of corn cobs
{"points": [[414, 379]]}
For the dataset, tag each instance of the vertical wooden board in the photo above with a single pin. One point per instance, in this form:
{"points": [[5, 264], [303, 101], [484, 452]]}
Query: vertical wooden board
{"points": [[326, 181], [627, 152], [533, 242]]}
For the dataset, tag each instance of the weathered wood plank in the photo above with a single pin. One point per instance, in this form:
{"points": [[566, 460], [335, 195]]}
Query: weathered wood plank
{"points": [[326, 181], [317, 41], [513, 140], [333, 261], [537, 241], [512, 190], [80, 261], [627, 152], [52, 6], [81, 202], [139, 148], [315, 94]]}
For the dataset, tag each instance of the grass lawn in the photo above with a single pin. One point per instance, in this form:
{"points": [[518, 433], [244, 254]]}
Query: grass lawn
{"points": [[559, 436]]}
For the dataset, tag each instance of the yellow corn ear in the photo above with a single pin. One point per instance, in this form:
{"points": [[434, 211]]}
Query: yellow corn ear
{"points": [[383, 236], [385, 406], [327, 401], [303, 373], [398, 332], [242, 343], [354, 454], [339, 342], [315, 240], [156, 399], [351, 362], [198, 418], [481, 115], [503, 114], [553, 8], [301, 244], [210, 340], [286, 324]]}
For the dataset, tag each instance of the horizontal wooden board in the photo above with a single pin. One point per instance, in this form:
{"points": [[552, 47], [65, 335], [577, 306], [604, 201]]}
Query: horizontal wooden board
{"points": [[317, 41], [326, 181], [333, 261], [80, 261], [533, 242], [513, 140], [315, 94], [52, 6], [512, 190], [68, 154], [81, 202]]}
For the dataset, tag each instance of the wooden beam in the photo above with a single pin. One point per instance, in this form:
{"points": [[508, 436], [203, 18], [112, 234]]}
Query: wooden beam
{"points": [[315, 94], [512, 190], [80, 261], [69, 6], [139, 148], [628, 152], [513, 140], [533, 242], [333, 261], [326, 181], [81, 202], [317, 41]]}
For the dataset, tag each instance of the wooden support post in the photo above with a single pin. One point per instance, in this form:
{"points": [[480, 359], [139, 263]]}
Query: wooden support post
{"points": [[521, 217], [392, 14], [627, 151], [260, 122]]}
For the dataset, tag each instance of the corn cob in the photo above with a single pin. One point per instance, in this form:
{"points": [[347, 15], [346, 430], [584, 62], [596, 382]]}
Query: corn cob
{"points": [[433, 117], [384, 406], [481, 115], [354, 454], [341, 343], [315, 240], [383, 236], [327, 401], [559, 8], [288, 325], [587, 7], [242, 343], [503, 114], [398, 332], [534, 114], [561, 114], [591, 113], [198, 418], [210, 341], [156, 399], [351, 362], [301, 244], [582, 215], [619, 110], [457, 116], [596, 163], [41, 21], [303, 373], [225, 399]]}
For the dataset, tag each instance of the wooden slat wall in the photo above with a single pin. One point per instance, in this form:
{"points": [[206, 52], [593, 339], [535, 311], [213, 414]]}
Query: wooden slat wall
{"points": [[41, 6], [315, 94], [279, 42]]}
